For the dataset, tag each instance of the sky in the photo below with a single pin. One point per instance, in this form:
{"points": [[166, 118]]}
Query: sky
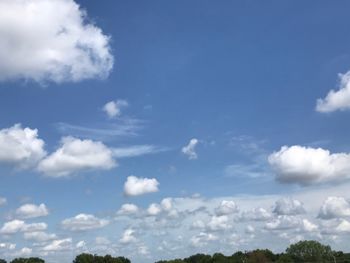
{"points": [[159, 129]]}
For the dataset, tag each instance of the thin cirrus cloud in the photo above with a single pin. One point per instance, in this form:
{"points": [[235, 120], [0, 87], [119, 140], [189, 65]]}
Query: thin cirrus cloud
{"points": [[135, 186], [306, 165], [53, 42], [336, 99]]}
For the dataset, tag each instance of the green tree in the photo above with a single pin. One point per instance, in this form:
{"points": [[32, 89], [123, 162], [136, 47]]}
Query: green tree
{"points": [[28, 260], [3, 261], [310, 251], [198, 258], [88, 258]]}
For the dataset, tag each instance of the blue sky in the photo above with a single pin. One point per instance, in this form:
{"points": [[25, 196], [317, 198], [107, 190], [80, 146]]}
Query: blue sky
{"points": [[162, 127]]}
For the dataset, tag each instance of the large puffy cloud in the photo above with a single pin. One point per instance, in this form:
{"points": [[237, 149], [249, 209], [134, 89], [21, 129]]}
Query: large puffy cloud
{"points": [[20, 146], [59, 245], [32, 211], [190, 149], [288, 206], [50, 41], [76, 155], [306, 165], [336, 99], [138, 186], [334, 207], [83, 222]]}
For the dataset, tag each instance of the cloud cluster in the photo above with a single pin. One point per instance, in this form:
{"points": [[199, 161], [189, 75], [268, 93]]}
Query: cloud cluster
{"points": [[51, 41], [335, 207], [306, 165], [15, 226]]}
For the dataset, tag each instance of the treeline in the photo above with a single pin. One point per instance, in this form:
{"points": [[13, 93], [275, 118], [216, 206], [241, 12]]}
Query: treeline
{"points": [[301, 252]]}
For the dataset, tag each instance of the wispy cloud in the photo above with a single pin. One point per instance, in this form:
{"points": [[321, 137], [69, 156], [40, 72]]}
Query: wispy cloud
{"points": [[126, 127], [137, 150]]}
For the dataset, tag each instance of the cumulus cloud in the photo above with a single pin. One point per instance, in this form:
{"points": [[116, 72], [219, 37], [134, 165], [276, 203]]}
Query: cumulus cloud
{"points": [[51, 41], [226, 208], [306, 165], [256, 214], [39, 236], [7, 246], [288, 206], [138, 186], [154, 209], [190, 149], [114, 108], [336, 99], [128, 236], [58, 245], [83, 222], [128, 209], [32, 211], [282, 222], [334, 207], [15, 226], [20, 146], [202, 239], [219, 223], [75, 155]]}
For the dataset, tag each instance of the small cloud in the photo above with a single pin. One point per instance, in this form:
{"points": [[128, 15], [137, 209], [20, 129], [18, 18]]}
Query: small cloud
{"points": [[336, 99], [138, 186], [189, 149], [83, 222], [32, 211], [114, 108]]}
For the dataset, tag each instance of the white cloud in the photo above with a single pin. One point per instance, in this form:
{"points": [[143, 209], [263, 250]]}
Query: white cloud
{"points": [[336, 99], [15, 226], [219, 223], [189, 149], [282, 222], [80, 244], [226, 208], [202, 239], [32, 211], [59, 245], [114, 108], [20, 146], [305, 165], [51, 41], [83, 222], [343, 227], [138, 186], [154, 209], [128, 236], [308, 226], [3, 201], [256, 214], [39, 236], [7, 246], [136, 150], [166, 204], [12, 227], [24, 252], [128, 209], [334, 207], [288, 206], [76, 155]]}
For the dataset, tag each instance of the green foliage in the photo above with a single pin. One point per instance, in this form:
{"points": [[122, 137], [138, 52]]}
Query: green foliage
{"points": [[3, 261], [88, 258], [28, 260], [310, 251]]}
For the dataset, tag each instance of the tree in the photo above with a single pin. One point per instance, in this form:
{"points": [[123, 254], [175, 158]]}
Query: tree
{"points": [[88, 258], [310, 251], [3, 261], [28, 260], [198, 258]]}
